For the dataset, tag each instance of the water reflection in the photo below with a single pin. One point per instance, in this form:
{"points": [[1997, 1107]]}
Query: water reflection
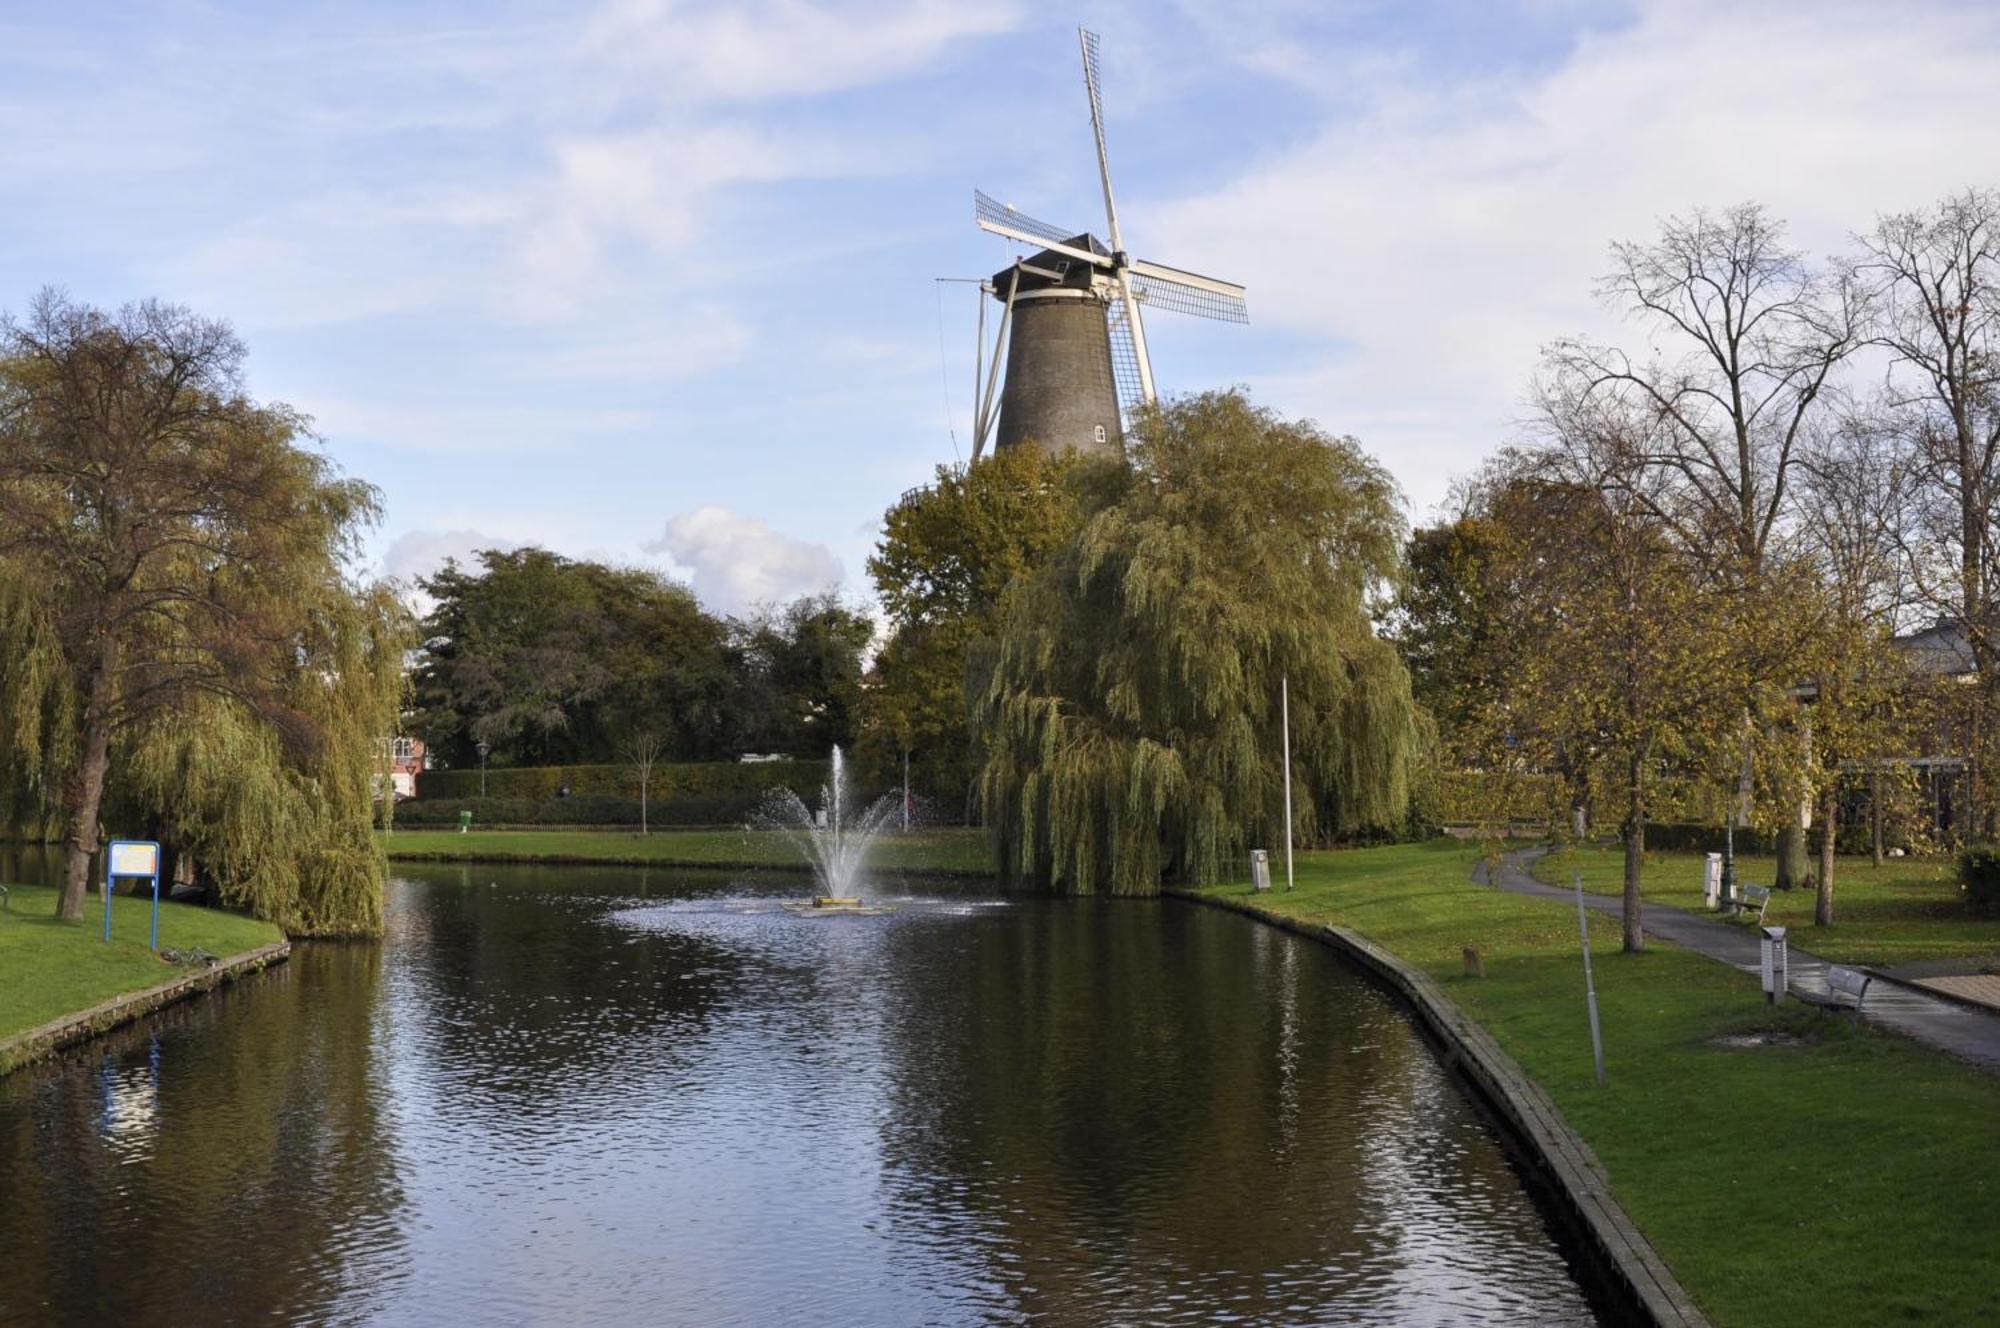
{"points": [[556, 1095]]}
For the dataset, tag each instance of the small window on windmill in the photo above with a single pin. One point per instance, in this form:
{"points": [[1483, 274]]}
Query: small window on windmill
{"points": [[1062, 268], [1099, 433]]}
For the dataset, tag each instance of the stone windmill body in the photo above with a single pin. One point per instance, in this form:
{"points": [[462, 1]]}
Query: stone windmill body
{"points": [[1072, 335]]}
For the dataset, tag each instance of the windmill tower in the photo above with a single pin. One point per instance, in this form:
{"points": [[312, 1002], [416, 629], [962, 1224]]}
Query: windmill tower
{"points": [[1072, 335]]}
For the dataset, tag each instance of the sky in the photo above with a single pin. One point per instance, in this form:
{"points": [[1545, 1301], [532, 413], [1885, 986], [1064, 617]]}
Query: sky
{"points": [[656, 282]]}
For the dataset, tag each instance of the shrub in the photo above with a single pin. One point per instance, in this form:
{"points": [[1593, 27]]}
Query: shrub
{"points": [[1979, 876]]}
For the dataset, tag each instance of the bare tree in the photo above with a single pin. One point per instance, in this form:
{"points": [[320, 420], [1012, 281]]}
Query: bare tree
{"points": [[641, 751], [1934, 277], [1854, 503], [1749, 336]]}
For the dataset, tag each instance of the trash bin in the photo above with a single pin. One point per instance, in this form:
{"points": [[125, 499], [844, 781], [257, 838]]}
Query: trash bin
{"points": [[1260, 868], [1774, 966], [464, 822], [1711, 882]]}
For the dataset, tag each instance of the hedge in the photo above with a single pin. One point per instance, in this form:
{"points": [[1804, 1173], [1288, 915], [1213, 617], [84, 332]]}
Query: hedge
{"points": [[585, 809], [671, 780]]}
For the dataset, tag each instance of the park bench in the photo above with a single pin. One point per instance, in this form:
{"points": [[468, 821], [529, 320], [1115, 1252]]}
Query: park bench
{"points": [[1748, 896], [1851, 983]]}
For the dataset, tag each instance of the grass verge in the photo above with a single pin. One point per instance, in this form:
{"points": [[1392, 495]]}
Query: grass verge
{"points": [[1850, 1177], [948, 850], [49, 969], [1907, 909]]}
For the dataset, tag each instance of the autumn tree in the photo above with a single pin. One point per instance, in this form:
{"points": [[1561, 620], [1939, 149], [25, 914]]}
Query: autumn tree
{"points": [[1618, 642], [948, 553], [1934, 278], [1130, 704], [180, 630], [1748, 334]]}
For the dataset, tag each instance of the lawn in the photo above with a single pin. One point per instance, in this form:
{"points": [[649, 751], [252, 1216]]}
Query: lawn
{"points": [[1904, 910], [951, 850], [49, 969], [1853, 1178]]}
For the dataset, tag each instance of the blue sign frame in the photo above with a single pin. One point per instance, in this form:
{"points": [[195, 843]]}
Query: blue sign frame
{"points": [[112, 875]]}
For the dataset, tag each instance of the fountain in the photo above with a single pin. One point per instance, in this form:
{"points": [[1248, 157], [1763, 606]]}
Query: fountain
{"points": [[835, 845]]}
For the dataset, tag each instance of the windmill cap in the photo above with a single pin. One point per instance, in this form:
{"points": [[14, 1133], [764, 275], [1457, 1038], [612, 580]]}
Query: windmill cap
{"points": [[1076, 275]]}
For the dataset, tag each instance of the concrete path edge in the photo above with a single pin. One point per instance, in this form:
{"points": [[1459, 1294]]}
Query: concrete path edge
{"points": [[1561, 1157], [39, 1043]]}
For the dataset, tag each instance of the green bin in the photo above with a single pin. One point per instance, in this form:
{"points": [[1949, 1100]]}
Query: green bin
{"points": [[464, 822]]}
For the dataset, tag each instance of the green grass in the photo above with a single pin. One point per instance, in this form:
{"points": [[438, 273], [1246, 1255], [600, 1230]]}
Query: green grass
{"points": [[952, 850], [49, 969], [1852, 1179], [1906, 909]]}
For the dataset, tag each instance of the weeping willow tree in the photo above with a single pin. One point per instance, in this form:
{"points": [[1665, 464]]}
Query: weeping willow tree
{"points": [[181, 652], [1130, 704]]}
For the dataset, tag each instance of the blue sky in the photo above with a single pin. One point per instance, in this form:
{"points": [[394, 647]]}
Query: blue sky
{"points": [[654, 282]]}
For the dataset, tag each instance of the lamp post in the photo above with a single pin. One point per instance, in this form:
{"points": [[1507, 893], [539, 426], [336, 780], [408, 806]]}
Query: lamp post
{"points": [[482, 749]]}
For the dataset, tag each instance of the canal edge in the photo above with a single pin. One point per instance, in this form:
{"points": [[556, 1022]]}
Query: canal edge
{"points": [[1564, 1160], [39, 1043]]}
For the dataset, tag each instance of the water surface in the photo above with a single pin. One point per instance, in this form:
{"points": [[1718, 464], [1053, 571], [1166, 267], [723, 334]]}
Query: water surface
{"points": [[609, 1095]]}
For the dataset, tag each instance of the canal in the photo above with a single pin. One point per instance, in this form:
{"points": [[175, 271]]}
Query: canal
{"points": [[558, 1095]]}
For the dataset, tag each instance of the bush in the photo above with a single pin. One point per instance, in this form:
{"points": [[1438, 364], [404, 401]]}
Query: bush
{"points": [[671, 780], [1979, 876]]}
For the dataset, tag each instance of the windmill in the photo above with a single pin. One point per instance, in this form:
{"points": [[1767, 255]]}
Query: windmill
{"points": [[1071, 324]]}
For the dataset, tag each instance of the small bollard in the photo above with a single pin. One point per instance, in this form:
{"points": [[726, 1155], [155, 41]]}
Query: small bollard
{"points": [[1475, 967], [1711, 882], [1260, 869], [1774, 966]]}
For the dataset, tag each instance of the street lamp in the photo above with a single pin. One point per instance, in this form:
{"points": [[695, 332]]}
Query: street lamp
{"points": [[482, 749]]}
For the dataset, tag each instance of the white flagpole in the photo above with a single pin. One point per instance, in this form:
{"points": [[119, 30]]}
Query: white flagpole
{"points": [[1285, 704]]}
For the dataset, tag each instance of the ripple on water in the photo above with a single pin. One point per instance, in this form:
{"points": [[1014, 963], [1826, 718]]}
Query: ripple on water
{"points": [[641, 1097]]}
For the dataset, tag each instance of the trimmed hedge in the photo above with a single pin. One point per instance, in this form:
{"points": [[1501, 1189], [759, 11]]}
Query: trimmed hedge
{"points": [[1979, 877], [585, 809], [671, 780], [1671, 837]]}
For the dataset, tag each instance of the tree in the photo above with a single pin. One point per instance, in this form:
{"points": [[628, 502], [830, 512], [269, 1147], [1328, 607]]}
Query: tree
{"points": [[1934, 275], [801, 690], [1754, 334], [551, 660], [948, 553], [1130, 704], [641, 751], [1617, 642], [1855, 500], [171, 568], [1448, 628]]}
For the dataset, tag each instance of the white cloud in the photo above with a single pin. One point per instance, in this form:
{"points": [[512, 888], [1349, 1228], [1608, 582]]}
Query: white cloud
{"points": [[420, 553], [1427, 248], [736, 562]]}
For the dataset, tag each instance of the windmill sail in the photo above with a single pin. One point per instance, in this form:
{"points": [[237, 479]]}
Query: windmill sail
{"points": [[1124, 361]]}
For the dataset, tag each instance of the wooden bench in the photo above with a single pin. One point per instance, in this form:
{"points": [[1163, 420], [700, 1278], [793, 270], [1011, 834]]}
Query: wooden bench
{"points": [[1748, 895]]}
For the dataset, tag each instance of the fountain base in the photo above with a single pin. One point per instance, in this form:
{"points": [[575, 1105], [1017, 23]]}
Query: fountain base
{"points": [[828, 905]]}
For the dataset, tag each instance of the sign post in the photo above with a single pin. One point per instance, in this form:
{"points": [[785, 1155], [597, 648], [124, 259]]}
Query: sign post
{"points": [[130, 858]]}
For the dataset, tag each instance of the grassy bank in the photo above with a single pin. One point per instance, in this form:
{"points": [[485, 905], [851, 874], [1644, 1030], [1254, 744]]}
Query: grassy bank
{"points": [[952, 850], [1906, 909], [49, 969], [1851, 1178]]}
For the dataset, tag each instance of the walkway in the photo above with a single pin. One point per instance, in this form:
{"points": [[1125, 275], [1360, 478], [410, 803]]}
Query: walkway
{"points": [[1970, 1034]]}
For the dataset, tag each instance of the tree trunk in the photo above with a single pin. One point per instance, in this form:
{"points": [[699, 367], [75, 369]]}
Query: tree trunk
{"points": [[1791, 854], [1829, 814], [83, 793], [642, 806], [1875, 813], [1635, 854]]}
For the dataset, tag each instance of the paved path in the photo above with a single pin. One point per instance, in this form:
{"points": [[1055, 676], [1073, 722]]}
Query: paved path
{"points": [[1972, 1035]]}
